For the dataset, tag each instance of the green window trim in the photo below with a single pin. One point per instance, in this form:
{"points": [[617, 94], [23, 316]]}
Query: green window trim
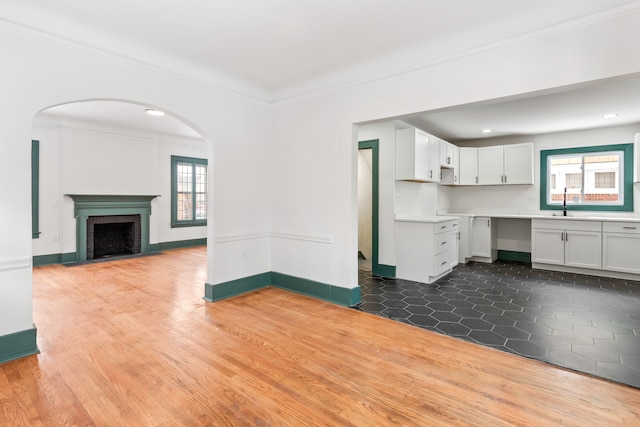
{"points": [[627, 185], [35, 189], [174, 192]]}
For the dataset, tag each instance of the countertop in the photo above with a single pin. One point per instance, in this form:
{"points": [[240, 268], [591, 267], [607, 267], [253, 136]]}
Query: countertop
{"points": [[432, 219], [572, 216]]}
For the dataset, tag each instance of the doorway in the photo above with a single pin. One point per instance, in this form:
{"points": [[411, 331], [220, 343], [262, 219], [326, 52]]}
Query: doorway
{"points": [[368, 172]]}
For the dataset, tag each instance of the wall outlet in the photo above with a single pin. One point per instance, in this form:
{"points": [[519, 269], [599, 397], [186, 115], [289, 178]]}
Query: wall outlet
{"points": [[533, 200]]}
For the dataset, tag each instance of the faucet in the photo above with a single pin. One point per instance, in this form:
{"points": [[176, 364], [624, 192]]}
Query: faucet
{"points": [[564, 203]]}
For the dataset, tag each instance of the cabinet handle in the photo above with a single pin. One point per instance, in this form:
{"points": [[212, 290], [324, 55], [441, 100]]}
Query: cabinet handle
{"points": [[489, 222], [443, 263], [476, 179], [566, 236], [443, 243], [630, 228], [431, 174], [455, 178], [505, 179], [562, 236], [454, 225], [448, 160]]}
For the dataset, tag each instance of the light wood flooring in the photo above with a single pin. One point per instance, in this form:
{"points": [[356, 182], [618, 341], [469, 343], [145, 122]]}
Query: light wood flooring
{"points": [[132, 343]]}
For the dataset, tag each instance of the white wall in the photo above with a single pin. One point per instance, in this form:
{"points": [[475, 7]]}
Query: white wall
{"points": [[321, 128], [289, 169], [39, 73]]}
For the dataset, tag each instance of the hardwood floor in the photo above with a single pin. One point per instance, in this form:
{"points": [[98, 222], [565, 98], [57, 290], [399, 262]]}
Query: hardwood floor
{"points": [[132, 343]]}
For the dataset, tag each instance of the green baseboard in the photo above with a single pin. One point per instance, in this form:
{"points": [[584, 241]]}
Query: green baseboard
{"points": [[67, 258], [18, 344], [514, 256], [71, 257], [388, 271], [166, 246], [335, 294], [236, 287]]}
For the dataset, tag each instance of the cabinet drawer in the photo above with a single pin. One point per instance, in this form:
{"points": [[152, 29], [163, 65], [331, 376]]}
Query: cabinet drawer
{"points": [[621, 227], [443, 242], [567, 224], [446, 226], [443, 263]]}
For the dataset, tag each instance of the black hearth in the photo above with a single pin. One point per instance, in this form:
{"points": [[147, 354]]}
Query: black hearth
{"points": [[113, 235]]}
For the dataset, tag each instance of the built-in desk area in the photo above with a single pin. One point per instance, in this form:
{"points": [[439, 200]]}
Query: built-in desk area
{"points": [[598, 245]]}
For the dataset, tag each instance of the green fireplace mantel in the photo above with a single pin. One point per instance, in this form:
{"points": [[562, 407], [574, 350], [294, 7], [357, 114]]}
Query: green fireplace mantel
{"points": [[86, 205]]}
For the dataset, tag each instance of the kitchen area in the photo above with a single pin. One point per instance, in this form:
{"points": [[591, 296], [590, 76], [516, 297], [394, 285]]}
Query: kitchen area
{"points": [[477, 239]]}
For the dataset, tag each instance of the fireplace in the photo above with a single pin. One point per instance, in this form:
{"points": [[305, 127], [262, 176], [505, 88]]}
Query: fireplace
{"points": [[111, 225], [113, 235]]}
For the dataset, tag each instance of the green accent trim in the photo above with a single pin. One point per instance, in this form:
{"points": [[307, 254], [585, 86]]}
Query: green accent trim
{"points": [[67, 258], [335, 294], [19, 344], [514, 256], [165, 246], [174, 192], [99, 205], [35, 189], [388, 271], [374, 145], [627, 189], [236, 287]]}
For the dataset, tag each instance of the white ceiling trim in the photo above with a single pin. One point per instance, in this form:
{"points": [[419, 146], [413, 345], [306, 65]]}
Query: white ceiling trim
{"points": [[573, 24], [231, 86]]}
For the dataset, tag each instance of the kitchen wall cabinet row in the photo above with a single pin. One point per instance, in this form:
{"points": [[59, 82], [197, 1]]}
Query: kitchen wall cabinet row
{"points": [[598, 245], [426, 158]]}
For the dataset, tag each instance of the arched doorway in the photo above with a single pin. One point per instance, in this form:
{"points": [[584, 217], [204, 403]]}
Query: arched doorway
{"points": [[114, 148]]}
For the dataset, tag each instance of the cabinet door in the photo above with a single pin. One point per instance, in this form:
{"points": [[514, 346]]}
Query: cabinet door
{"points": [[480, 241], [454, 251], [621, 252], [468, 166], [547, 246], [433, 159], [490, 165], [446, 154], [518, 164], [583, 249], [412, 155]]}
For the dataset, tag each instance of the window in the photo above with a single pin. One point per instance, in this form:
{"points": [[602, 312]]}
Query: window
{"points": [[188, 191], [589, 178]]}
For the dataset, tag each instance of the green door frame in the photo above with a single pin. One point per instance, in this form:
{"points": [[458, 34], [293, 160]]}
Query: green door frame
{"points": [[374, 145]]}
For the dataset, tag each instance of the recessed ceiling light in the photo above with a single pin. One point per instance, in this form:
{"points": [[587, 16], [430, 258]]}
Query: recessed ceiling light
{"points": [[609, 116], [153, 112], [487, 130]]}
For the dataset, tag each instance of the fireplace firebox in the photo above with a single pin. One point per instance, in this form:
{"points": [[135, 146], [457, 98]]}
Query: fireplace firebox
{"points": [[113, 235]]}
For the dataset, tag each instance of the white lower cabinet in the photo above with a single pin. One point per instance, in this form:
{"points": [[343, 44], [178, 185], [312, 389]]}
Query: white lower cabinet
{"points": [[621, 247], [426, 248], [567, 243]]}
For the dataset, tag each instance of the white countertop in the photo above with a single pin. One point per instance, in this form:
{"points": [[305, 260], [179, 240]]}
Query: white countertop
{"points": [[572, 216], [432, 219]]}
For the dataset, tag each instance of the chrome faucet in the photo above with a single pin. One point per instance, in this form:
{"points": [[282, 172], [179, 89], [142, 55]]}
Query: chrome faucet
{"points": [[564, 203]]}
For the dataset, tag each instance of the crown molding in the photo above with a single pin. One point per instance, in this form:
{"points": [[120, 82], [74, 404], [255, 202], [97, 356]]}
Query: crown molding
{"points": [[86, 49]]}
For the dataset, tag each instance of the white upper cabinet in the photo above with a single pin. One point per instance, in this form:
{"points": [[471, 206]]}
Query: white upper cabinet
{"points": [[505, 164], [490, 165], [451, 175], [518, 164], [446, 154], [417, 156], [468, 166]]}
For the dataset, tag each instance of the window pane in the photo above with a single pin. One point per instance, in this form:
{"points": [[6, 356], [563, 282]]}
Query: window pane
{"points": [[184, 172], [565, 172], [201, 192], [601, 184]]}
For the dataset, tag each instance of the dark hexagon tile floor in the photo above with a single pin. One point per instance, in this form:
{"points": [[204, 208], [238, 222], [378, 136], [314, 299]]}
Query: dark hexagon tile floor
{"points": [[585, 323]]}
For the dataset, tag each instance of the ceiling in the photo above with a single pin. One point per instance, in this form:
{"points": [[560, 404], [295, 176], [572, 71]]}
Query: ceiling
{"points": [[273, 50]]}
